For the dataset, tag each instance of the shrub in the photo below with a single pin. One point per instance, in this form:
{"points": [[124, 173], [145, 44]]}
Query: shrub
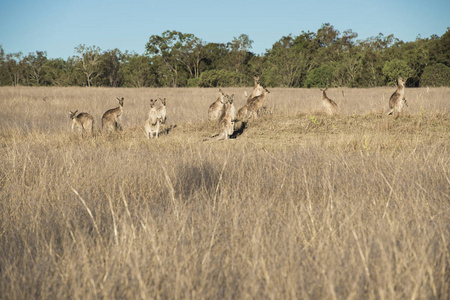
{"points": [[394, 68], [435, 75], [215, 78], [320, 77]]}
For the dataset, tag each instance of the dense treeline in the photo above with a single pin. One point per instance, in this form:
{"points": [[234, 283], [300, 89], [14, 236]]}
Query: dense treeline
{"points": [[324, 58]]}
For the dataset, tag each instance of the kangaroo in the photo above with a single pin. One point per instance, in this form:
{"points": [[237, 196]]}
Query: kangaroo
{"points": [[83, 121], [256, 103], [398, 99], [215, 110], [250, 109], [242, 112], [257, 89], [162, 111], [329, 105], [111, 120], [152, 124], [226, 123], [232, 108]]}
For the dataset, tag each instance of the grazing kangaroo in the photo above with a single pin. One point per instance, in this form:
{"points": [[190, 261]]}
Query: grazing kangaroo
{"points": [[398, 99], [83, 121], [330, 106], [111, 120], [152, 124], [162, 111], [226, 123], [215, 110]]}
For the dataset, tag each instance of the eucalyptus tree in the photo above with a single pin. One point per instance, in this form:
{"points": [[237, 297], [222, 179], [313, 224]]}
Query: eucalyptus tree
{"points": [[88, 61], [13, 68], [290, 60], [178, 52], [138, 71], [36, 63], [111, 64]]}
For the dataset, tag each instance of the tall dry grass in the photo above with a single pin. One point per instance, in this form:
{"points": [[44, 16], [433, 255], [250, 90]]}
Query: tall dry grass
{"points": [[300, 205]]}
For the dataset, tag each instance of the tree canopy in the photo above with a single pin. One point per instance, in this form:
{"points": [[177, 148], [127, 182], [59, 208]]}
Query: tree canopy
{"points": [[326, 57]]}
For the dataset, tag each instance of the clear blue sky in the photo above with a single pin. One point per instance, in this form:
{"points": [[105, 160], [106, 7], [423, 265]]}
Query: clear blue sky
{"points": [[59, 26]]}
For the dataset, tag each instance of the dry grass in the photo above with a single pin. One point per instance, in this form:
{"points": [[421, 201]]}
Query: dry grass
{"points": [[300, 205]]}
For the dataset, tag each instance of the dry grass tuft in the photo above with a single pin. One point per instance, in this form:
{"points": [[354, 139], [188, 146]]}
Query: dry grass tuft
{"points": [[300, 205]]}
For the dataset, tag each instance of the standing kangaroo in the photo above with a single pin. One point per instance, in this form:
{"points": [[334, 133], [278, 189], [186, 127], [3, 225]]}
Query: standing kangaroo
{"points": [[215, 109], [111, 120], [232, 107], [83, 121], [162, 111], [226, 123], [398, 99], [250, 110], [152, 124], [257, 89], [330, 106]]}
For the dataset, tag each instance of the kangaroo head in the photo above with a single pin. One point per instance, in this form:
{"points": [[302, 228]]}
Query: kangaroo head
{"points": [[266, 90], [73, 114], [120, 101], [226, 106], [221, 96], [163, 101], [152, 102], [256, 79], [401, 81], [230, 99]]}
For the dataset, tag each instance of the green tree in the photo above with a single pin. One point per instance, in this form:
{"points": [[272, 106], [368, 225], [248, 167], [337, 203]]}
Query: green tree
{"points": [[436, 75], [216, 78], [322, 76], [192, 52], [88, 61], [216, 56], [395, 68], [175, 50], [289, 60], [373, 59], [13, 68], [239, 55], [439, 49], [138, 71], [110, 66], [36, 63]]}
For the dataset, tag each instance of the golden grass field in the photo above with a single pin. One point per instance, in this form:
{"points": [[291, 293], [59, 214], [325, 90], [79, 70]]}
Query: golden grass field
{"points": [[299, 206]]}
